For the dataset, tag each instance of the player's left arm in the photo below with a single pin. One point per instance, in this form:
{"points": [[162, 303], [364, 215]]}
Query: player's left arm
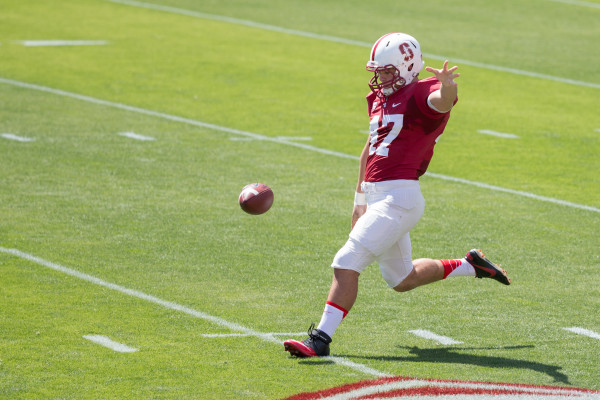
{"points": [[360, 207], [444, 98]]}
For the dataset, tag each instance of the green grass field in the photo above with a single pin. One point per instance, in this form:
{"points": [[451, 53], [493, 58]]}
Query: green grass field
{"points": [[142, 241]]}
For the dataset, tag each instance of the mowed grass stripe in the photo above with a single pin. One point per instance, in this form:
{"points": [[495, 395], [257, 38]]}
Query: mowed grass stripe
{"points": [[176, 307], [239, 101], [138, 294], [282, 141], [335, 39]]}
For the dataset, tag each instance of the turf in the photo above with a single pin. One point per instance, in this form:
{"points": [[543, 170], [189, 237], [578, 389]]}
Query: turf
{"points": [[161, 217]]}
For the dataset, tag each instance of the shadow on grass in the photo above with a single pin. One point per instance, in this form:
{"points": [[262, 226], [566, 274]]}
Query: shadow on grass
{"points": [[455, 355]]}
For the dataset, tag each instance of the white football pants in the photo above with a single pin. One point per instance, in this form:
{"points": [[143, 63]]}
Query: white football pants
{"points": [[382, 233]]}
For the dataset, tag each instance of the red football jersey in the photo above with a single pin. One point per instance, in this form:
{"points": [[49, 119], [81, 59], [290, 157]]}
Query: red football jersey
{"points": [[404, 130]]}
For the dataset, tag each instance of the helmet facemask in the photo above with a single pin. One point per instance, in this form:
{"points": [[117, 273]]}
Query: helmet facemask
{"points": [[389, 86]]}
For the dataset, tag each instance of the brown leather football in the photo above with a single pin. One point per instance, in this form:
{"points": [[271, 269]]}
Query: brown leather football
{"points": [[256, 198]]}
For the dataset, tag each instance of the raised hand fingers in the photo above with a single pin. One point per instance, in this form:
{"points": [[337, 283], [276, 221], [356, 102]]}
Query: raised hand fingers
{"points": [[445, 68]]}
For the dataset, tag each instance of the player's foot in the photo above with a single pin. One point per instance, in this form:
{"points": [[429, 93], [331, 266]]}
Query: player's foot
{"points": [[316, 345], [484, 268]]}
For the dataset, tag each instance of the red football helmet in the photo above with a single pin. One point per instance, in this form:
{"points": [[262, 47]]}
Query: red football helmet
{"points": [[399, 54]]}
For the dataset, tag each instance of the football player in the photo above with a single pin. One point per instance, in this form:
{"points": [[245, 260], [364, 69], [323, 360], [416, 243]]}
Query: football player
{"points": [[407, 116]]}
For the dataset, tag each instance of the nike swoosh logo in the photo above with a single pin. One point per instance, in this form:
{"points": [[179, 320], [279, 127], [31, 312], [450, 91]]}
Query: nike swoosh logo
{"points": [[490, 271], [396, 104]]}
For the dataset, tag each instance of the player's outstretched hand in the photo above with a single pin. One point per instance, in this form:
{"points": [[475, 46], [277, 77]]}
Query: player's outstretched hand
{"points": [[445, 76]]}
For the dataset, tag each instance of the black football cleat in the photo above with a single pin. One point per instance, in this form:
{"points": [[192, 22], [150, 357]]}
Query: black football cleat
{"points": [[316, 345], [484, 268]]}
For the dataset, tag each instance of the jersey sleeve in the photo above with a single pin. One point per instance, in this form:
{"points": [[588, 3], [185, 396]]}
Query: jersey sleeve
{"points": [[426, 87]]}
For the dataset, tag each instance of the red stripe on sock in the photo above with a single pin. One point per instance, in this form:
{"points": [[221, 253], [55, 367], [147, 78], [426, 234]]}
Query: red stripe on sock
{"points": [[449, 266], [342, 309]]}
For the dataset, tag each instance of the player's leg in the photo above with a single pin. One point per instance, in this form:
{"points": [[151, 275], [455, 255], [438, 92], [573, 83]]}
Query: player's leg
{"points": [[374, 232], [344, 288], [341, 298], [402, 273], [348, 263], [386, 220], [427, 270]]}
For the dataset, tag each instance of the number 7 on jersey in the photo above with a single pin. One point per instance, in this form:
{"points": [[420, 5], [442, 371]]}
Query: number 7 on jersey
{"points": [[383, 133]]}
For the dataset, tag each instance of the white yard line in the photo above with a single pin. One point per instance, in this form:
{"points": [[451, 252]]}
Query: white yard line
{"points": [[238, 21], [299, 138], [109, 343], [498, 134], [225, 335], [584, 332], [257, 136], [435, 337], [11, 136], [133, 135], [515, 192], [578, 3], [137, 294], [45, 43], [276, 138], [358, 367], [178, 307], [253, 24]]}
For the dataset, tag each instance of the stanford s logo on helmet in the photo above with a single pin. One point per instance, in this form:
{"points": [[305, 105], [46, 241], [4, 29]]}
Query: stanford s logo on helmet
{"points": [[398, 54], [406, 50]]}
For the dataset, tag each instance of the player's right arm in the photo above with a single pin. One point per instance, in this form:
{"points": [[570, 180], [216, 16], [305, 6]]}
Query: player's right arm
{"points": [[444, 98], [360, 209]]}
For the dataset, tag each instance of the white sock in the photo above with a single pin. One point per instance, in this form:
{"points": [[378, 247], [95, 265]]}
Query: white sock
{"points": [[464, 269], [331, 319], [457, 268]]}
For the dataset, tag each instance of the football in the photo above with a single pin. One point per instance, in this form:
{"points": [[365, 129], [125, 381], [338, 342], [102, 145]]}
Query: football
{"points": [[256, 198]]}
